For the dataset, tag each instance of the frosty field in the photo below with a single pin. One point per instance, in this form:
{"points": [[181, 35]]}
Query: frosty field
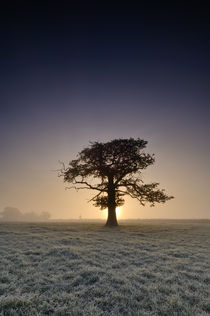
{"points": [[139, 268]]}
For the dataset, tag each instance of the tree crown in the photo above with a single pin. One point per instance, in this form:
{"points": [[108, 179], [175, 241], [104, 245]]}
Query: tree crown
{"points": [[118, 164]]}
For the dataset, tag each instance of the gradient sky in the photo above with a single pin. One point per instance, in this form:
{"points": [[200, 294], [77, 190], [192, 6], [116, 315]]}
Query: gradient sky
{"points": [[70, 76]]}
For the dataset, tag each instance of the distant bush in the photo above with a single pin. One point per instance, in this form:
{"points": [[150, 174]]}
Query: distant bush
{"points": [[14, 214]]}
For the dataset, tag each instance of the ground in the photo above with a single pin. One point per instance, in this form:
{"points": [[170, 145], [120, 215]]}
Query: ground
{"points": [[138, 268]]}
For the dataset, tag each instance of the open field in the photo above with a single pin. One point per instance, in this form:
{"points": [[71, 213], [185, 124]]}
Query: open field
{"points": [[139, 268]]}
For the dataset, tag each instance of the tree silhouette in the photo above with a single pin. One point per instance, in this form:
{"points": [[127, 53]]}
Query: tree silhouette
{"points": [[118, 164], [11, 214]]}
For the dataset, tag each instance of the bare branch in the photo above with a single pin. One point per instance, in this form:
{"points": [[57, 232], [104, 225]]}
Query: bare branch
{"points": [[95, 197], [88, 186]]}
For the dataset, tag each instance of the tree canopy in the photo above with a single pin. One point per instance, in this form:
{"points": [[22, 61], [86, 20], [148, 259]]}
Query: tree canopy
{"points": [[118, 164]]}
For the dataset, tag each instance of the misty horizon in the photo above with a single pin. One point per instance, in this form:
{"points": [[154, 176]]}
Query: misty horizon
{"points": [[33, 216]]}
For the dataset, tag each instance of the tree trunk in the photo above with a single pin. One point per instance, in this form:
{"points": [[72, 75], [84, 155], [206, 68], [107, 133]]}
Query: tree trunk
{"points": [[112, 218]]}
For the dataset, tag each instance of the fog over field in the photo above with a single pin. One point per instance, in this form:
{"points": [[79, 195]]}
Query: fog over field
{"points": [[149, 267]]}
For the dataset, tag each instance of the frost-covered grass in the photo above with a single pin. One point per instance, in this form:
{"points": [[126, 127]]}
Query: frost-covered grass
{"points": [[138, 268]]}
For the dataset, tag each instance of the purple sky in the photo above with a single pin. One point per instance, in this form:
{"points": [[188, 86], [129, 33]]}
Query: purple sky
{"points": [[73, 76]]}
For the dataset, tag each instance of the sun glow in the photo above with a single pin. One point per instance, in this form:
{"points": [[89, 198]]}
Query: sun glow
{"points": [[118, 212], [118, 209]]}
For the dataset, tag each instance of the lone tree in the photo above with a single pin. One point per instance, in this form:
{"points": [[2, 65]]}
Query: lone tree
{"points": [[118, 164]]}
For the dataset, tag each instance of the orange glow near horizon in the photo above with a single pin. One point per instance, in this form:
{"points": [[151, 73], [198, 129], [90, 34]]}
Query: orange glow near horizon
{"points": [[118, 212]]}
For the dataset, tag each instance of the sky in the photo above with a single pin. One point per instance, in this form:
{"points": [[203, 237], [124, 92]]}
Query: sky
{"points": [[74, 75]]}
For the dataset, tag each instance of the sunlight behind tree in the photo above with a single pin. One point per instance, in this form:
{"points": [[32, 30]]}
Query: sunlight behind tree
{"points": [[118, 213], [118, 164]]}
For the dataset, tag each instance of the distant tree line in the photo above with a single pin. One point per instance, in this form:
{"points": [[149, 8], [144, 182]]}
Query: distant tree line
{"points": [[14, 214]]}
